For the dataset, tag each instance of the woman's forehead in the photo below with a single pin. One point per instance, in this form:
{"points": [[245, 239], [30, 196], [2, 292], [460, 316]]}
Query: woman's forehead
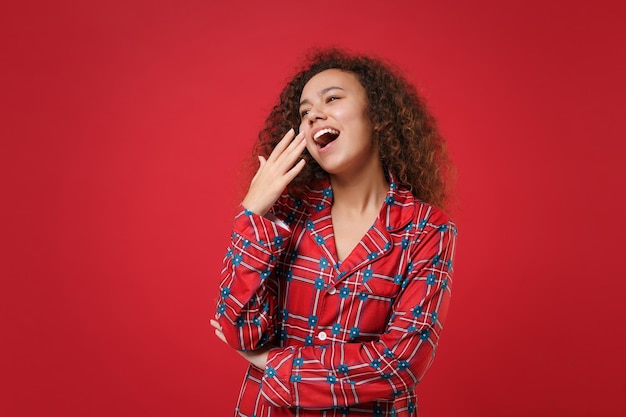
{"points": [[327, 79]]}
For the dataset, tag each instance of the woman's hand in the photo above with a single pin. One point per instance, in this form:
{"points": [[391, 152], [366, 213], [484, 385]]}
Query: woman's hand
{"points": [[275, 173], [257, 358]]}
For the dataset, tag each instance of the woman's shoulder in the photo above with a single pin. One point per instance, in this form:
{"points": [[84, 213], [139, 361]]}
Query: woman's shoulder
{"points": [[406, 208], [431, 213]]}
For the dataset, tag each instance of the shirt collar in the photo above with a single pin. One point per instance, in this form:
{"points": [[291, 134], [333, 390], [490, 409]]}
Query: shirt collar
{"points": [[396, 213]]}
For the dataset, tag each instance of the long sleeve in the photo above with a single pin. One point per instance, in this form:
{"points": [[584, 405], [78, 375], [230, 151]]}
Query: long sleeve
{"points": [[247, 304], [345, 374]]}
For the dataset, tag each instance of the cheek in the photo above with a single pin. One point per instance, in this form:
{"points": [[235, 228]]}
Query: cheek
{"points": [[310, 146], [354, 115]]}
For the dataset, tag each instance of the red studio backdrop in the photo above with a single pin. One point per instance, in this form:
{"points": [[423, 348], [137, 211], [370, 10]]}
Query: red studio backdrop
{"points": [[123, 128]]}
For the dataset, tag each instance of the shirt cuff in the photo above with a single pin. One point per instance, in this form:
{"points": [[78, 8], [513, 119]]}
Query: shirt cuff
{"points": [[276, 384], [261, 231], [278, 221]]}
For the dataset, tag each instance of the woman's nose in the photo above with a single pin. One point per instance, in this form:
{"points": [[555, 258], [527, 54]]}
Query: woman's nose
{"points": [[315, 113]]}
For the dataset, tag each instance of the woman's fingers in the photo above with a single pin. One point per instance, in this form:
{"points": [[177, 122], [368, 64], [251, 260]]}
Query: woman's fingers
{"points": [[262, 161], [295, 148], [287, 151], [297, 142], [257, 358], [275, 173], [293, 172], [220, 335], [286, 160], [282, 145], [284, 155], [218, 330]]}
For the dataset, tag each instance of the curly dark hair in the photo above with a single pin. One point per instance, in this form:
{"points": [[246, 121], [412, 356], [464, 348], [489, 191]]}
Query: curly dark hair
{"points": [[409, 142]]}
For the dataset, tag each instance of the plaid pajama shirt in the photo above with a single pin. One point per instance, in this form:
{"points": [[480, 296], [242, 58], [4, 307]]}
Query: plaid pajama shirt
{"points": [[352, 337]]}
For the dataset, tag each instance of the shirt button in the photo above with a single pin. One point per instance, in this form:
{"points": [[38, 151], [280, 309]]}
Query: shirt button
{"points": [[322, 336], [332, 290]]}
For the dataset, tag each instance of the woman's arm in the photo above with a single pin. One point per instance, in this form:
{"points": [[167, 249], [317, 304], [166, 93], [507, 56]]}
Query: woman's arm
{"points": [[248, 289], [247, 301], [256, 357]]}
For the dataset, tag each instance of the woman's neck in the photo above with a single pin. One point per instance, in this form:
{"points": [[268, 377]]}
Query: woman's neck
{"points": [[360, 193]]}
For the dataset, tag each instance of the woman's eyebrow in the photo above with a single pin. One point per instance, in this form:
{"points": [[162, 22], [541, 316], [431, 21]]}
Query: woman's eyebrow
{"points": [[321, 93]]}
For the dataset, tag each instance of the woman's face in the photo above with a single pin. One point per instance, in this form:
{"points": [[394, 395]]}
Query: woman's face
{"points": [[334, 119]]}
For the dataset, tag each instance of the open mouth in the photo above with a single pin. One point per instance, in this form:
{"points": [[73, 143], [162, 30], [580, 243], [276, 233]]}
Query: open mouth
{"points": [[325, 136]]}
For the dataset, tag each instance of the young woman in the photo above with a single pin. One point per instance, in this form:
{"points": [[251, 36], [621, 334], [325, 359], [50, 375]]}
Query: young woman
{"points": [[337, 281]]}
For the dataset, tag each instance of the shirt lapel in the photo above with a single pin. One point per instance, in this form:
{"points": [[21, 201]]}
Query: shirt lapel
{"points": [[396, 213]]}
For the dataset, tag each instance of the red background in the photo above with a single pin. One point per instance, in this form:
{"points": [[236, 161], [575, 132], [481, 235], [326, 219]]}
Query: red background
{"points": [[123, 126]]}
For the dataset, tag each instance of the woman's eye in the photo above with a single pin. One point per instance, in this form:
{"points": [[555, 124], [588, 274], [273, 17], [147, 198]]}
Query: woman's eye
{"points": [[332, 98], [304, 113]]}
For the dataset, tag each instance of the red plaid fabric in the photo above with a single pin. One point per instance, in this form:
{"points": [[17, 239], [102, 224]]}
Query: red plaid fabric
{"points": [[352, 337]]}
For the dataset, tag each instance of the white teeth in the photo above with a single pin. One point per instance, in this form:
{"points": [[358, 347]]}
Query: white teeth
{"points": [[324, 131]]}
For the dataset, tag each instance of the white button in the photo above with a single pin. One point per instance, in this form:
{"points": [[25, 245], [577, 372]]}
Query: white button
{"points": [[322, 335], [332, 290]]}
